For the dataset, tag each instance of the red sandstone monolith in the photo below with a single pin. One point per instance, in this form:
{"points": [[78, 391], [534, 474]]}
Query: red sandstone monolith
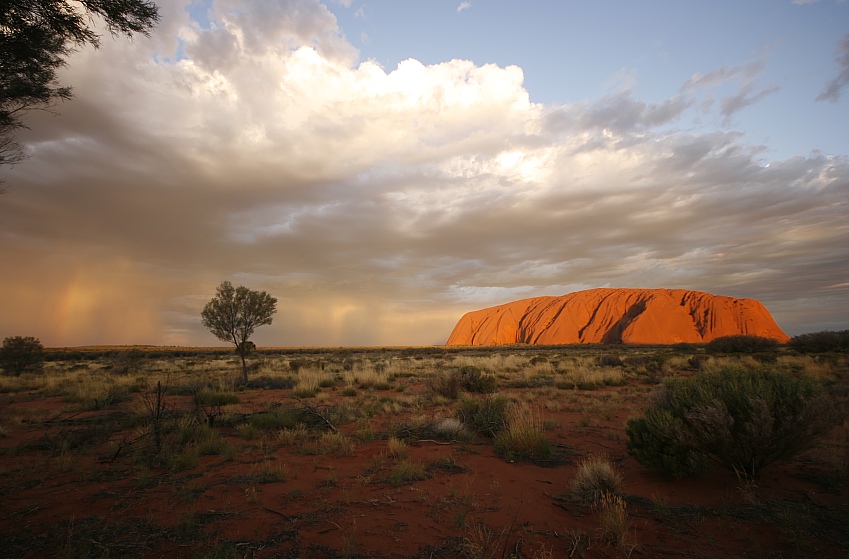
{"points": [[628, 316]]}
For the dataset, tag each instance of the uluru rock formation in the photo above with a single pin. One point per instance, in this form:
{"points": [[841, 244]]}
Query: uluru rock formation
{"points": [[628, 316]]}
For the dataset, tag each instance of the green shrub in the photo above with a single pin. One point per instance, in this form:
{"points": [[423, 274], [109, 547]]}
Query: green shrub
{"points": [[742, 419], [742, 344], [271, 383], [609, 361], [696, 362], [653, 441], [652, 363], [446, 385], [821, 342], [487, 416], [21, 355], [684, 347], [297, 364], [276, 418], [473, 380]]}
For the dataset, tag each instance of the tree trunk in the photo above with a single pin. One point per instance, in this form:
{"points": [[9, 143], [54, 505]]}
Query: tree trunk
{"points": [[244, 366]]}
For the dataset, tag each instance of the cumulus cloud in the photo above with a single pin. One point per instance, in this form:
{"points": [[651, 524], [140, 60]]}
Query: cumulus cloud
{"points": [[834, 88], [379, 204], [463, 6]]}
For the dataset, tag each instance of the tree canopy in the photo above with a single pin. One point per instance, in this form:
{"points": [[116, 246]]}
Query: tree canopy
{"points": [[234, 313], [21, 354], [36, 36]]}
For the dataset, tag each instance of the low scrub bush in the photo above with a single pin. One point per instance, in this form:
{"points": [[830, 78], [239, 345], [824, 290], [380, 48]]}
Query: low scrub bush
{"points": [[609, 361], [651, 363], [446, 385], [425, 427], [271, 383], [742, 344], [473, 380], [486, 416], [743, 419], [821, 342], [654, 441]]}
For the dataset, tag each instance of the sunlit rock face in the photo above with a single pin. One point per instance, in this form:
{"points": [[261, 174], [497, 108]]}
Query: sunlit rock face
{"points": [[628, 316]]}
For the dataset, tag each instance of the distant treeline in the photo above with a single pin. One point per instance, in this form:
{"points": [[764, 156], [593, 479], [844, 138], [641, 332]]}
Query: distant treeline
{"points": [[816, 342]]}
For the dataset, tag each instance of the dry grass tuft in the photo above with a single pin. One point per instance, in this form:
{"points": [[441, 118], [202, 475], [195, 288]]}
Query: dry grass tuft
{"points": [[398, 449], [590, 378], [613, 522], [595, 478], [523, 437]]}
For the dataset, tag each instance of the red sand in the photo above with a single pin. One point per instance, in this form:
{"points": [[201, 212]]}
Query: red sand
{"points": [[336, 505]]}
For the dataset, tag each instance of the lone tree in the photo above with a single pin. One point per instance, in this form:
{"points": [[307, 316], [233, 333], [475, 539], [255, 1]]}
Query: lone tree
{"points": [[36, 36], [21, 355], [234, 313]]}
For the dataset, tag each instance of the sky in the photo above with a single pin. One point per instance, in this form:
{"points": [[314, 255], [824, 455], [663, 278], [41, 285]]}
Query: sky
{"points": [[382, 167]]}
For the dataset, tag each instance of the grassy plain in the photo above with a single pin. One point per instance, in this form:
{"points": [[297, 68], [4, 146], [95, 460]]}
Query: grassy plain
{"points": [[388, 452]]}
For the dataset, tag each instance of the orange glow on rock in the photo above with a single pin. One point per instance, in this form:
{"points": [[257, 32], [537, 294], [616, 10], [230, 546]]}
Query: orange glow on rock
{"points": [[606, 315]]}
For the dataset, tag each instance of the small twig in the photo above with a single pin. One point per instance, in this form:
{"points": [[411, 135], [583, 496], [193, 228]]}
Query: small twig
{"points": [[54, 419], [316, 413], [123, 444], [277, 512], [266, 509]]}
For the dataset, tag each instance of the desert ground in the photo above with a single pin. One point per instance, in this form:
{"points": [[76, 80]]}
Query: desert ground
{"points": [[378, 452]]}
